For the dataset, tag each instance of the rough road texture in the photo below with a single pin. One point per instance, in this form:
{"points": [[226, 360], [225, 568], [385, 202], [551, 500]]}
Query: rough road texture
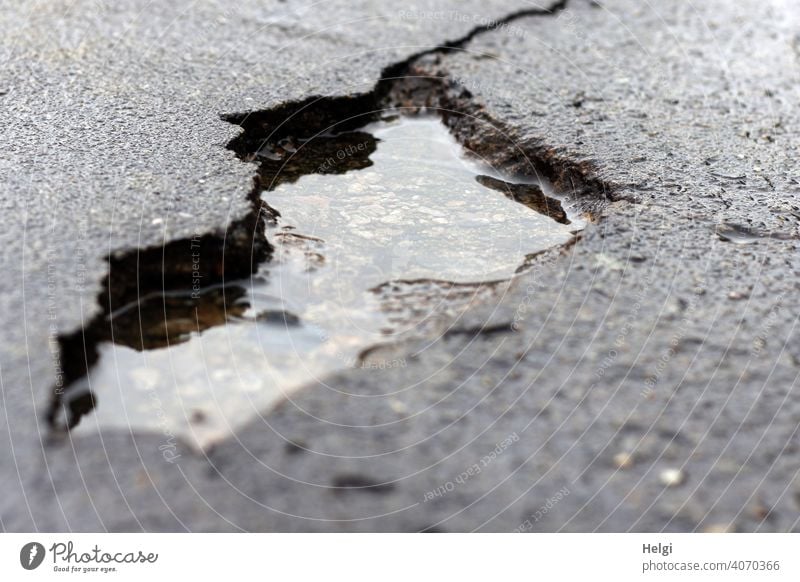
{"points": [[652, 341]]}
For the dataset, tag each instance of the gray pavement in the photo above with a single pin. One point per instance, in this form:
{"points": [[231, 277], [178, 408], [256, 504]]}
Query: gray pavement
{"points": [[648, 382]]}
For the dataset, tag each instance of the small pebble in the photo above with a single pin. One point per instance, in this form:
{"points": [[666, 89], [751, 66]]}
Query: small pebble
{"points": [[672, 477], [398, 406], [623, 460], [718, 528], [296, 446], [760, 511]]}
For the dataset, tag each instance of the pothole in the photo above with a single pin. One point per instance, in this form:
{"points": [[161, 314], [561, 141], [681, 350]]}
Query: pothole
{"points": [[381, 229], [380, 234]]}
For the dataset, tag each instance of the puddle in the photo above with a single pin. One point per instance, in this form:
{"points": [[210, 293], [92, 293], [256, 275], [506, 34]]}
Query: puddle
{"points": [[380, 234], [745, 235], [736, 233]]}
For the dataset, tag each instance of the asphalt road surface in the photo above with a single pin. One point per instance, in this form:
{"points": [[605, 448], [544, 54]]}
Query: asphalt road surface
{"points": [[644, 379]]}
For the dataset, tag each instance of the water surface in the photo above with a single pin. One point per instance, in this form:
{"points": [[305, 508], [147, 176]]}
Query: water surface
{"points": [[394, 233]]}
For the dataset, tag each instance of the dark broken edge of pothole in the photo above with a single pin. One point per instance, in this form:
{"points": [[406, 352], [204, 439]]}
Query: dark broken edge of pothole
{"points": [[212, 258], [234, 254]]}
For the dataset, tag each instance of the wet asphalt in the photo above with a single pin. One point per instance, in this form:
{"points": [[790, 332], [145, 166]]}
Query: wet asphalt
{"points": [[643, 379]]}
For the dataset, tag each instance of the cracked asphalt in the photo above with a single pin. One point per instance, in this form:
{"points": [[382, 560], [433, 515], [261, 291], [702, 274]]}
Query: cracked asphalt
{"points": [[647, 380]]}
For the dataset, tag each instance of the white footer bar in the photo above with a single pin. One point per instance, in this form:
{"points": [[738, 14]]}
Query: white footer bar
{"points": [[401, 557]]}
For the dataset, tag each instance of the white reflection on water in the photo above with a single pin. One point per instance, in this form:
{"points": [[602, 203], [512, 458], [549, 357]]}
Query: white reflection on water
{"points": [[416, 215]]}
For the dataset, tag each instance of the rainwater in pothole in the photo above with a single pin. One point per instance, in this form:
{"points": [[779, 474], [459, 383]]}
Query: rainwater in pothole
{"points": [[381, 234]]}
